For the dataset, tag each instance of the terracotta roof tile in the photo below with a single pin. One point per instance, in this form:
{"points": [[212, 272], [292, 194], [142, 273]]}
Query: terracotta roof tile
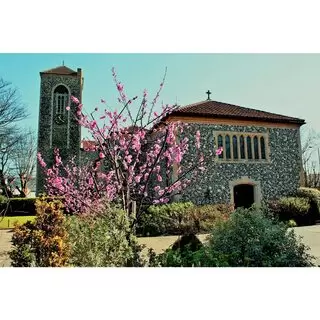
{"points": [[88, 145], [63, 70], [210, 108]]}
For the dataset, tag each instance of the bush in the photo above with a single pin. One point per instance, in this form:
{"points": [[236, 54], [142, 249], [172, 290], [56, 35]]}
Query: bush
{"points": [[251, 239], [188, 251], [314, 197], [44, 242], [292, 223], [103, 240], [180, 218], [3, 199], [303, 209], [294, 206]]}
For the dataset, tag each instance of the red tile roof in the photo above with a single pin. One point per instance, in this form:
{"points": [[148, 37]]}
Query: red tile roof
{"points": [[215, 109], [88, 145], [63, 70]]}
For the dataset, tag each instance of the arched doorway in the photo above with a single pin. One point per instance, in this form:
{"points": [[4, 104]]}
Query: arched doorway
{"points": [[243, 195]]}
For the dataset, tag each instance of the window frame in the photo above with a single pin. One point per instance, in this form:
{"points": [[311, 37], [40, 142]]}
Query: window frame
{"points": [[246, 136]]}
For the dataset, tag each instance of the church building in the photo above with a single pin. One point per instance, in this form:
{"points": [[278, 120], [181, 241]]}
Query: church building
{"points": [[261, 156]]}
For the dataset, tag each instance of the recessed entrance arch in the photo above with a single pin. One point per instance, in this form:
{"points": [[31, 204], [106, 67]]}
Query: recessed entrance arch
{"points": [[243, 195], [245, 192]]}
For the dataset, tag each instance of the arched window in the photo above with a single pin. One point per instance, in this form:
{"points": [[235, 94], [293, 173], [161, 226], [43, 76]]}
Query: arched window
{"points": [[242, 152], [235, 147], [220, 144], [249, 150], [256, 147], [61, 98], [263, 148], [228, 147]]}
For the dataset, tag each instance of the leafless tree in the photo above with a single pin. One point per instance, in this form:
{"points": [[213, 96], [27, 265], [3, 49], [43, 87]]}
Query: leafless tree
{"points": [[8, 140], [24, 161], [12, 110], [311, 157], [11, 107]]}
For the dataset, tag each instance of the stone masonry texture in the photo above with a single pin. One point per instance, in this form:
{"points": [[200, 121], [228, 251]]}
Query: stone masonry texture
{"points": [[278, 177]]}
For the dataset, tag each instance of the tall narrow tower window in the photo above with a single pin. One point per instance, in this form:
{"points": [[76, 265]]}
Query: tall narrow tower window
{"points": [[61, 98]]}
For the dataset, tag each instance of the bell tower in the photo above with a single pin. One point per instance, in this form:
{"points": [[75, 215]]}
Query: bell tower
{"points": [[58, 128]]}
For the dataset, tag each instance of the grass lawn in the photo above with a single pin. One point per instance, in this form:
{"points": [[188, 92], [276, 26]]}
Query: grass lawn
{"points": [[8, 222]]}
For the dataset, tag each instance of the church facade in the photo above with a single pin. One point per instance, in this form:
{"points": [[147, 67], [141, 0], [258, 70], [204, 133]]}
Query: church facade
{"points": [[261, 156]]}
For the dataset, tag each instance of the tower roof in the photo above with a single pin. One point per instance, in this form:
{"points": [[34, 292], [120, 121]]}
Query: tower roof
{"points": [[61, 70]]}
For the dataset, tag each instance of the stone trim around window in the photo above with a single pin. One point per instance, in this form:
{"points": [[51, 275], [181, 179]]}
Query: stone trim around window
{"points": [[243, 146]]}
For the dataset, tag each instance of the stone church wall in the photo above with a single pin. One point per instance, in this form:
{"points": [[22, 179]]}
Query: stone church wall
{"points": [[277, 177], [51, 134]]}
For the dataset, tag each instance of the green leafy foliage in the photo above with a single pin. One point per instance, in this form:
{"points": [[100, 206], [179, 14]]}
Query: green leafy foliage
{"points": [[180, 218], [292, 223], [250, 238], [314, 197], [103, 240], [303, 209], [42, 243], [188, 251]]}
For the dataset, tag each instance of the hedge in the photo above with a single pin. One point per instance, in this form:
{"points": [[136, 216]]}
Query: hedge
{"points": [[180, 218]]}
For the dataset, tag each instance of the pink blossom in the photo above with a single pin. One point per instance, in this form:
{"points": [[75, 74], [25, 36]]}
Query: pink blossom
{"points": [[119, 86], [75, 100], [101, 155], [159, 178], [219, 151], [41, 161], [93, 124], [161, 193], [157, 188], [137, 178], [198, 139], [67, 108]]}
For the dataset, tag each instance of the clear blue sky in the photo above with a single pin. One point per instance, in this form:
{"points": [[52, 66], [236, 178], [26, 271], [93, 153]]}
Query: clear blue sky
{"points": [[288, 84]]}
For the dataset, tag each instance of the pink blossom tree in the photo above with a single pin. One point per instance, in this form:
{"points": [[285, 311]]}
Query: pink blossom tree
{"points": [[139, 157]]}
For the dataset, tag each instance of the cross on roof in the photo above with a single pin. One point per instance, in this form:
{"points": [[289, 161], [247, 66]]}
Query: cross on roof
{"points": [[208, 93]]}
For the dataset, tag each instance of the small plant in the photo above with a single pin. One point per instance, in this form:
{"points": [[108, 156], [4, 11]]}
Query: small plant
{"points": [[295, 205], [251, 239], [292, 223], [181, 218], [44, 242], [103, 240]]}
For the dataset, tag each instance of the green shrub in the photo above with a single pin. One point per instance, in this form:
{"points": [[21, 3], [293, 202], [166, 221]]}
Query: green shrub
{"points": [[295, 206], [292, 223], [251, 239], [3, 199], [189, 258], [303, 209], [314, 196], [103, 241], [44, 242], [206, 216], [180, 218], [163, 219]]}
